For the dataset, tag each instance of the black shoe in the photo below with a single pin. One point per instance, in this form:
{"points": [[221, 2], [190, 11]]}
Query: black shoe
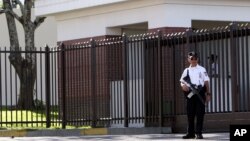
{"points": [[199, 136], [189, 136]]}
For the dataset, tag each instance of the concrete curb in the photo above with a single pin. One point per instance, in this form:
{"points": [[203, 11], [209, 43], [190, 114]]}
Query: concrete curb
{"points": [[82, 132]]}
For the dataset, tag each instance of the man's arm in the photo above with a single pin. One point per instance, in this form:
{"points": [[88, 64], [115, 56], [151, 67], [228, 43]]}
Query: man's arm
{"points": [[208, 93], [183, 85]]}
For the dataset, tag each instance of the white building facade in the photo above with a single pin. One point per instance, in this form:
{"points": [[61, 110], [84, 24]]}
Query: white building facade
{"points": [[79, 19], [41, 33]]}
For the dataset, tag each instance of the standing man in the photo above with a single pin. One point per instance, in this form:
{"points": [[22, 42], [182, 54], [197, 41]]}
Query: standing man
{"points": [[197, 93]]}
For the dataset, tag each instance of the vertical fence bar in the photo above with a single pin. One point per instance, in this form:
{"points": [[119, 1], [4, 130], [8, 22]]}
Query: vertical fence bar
{"points": [[56, 78], [233, 67], [79, 73], [174, 50], [47, 79], [159, 48], [141, 76], [247, 67], [227, 53], [153, 78], [80, 87], [11, 88], [75, 82], [132, 80], [63, 81], [242, 76], [168, 42], [36, 89], [93, 84], [99, 98], [147, 78], [115, 97], [216, 79], [73, 69], [101, 94], [125, 63], [52, 85], [223, 71], [219, 59], [41, 76], [83, 78], [121, 94], [138, 115], [69, 77], [6, 88], [209, 46], [88, 84]]}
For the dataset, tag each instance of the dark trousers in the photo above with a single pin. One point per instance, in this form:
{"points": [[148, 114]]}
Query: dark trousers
{"points": [[195, 108]]}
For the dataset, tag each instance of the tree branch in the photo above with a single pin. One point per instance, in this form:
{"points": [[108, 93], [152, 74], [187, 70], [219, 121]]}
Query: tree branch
{"points": [[21, 6], [12, 13], [27, 6], [38, 21]]}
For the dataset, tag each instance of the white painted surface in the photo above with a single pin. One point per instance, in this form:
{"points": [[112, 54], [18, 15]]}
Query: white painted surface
{"points": [[46, 33], [99, 17], [135, 102], [44, 7]]}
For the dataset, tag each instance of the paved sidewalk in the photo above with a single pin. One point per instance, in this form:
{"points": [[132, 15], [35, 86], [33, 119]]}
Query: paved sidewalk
{"points": [[82, 132], [93, 134], [142, 137]]}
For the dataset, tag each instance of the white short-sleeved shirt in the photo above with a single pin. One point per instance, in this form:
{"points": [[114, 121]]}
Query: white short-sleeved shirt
{"points": [[198, 75]]}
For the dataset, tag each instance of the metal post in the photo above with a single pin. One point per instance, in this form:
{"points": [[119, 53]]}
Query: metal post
{"points": [[64, 122], [47, 73], [93, 80], [159, 54], [234, 84], [124, 45]]}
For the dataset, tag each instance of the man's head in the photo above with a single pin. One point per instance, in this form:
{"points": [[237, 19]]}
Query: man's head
{"points": [[192, 55], [193, 58]]}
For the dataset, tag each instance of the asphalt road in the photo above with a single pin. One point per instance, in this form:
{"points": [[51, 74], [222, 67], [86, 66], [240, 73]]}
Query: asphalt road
{"points": [[144, 137]]}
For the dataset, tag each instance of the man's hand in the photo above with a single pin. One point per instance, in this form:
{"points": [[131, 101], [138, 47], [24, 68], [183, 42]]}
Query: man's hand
{"points": [[208, 97], [185, 88]]}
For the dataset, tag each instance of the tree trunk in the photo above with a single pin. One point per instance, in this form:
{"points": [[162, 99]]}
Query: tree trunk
{"points": [[27, 81], [25, 66], [28, 71]]}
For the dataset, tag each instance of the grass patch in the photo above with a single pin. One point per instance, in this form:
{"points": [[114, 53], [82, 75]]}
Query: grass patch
{"points": [[27, 119], [20, 115]]}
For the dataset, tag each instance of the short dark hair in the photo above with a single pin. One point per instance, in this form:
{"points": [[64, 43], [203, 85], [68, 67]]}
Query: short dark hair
{"points": [[193, 54]]}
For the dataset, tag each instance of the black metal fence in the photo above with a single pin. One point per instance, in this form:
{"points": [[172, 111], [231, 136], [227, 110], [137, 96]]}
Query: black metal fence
{"points": [[128, 81]]}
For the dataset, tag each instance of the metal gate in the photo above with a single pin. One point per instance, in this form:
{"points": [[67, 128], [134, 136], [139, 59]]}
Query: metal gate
{"points": [[224, 53], [131, 81]]}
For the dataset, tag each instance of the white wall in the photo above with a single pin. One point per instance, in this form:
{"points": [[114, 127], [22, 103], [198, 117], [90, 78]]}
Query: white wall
{"points": [[204, 12], [46, 33], [135, 102], [93, 20], [46, 7]]}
